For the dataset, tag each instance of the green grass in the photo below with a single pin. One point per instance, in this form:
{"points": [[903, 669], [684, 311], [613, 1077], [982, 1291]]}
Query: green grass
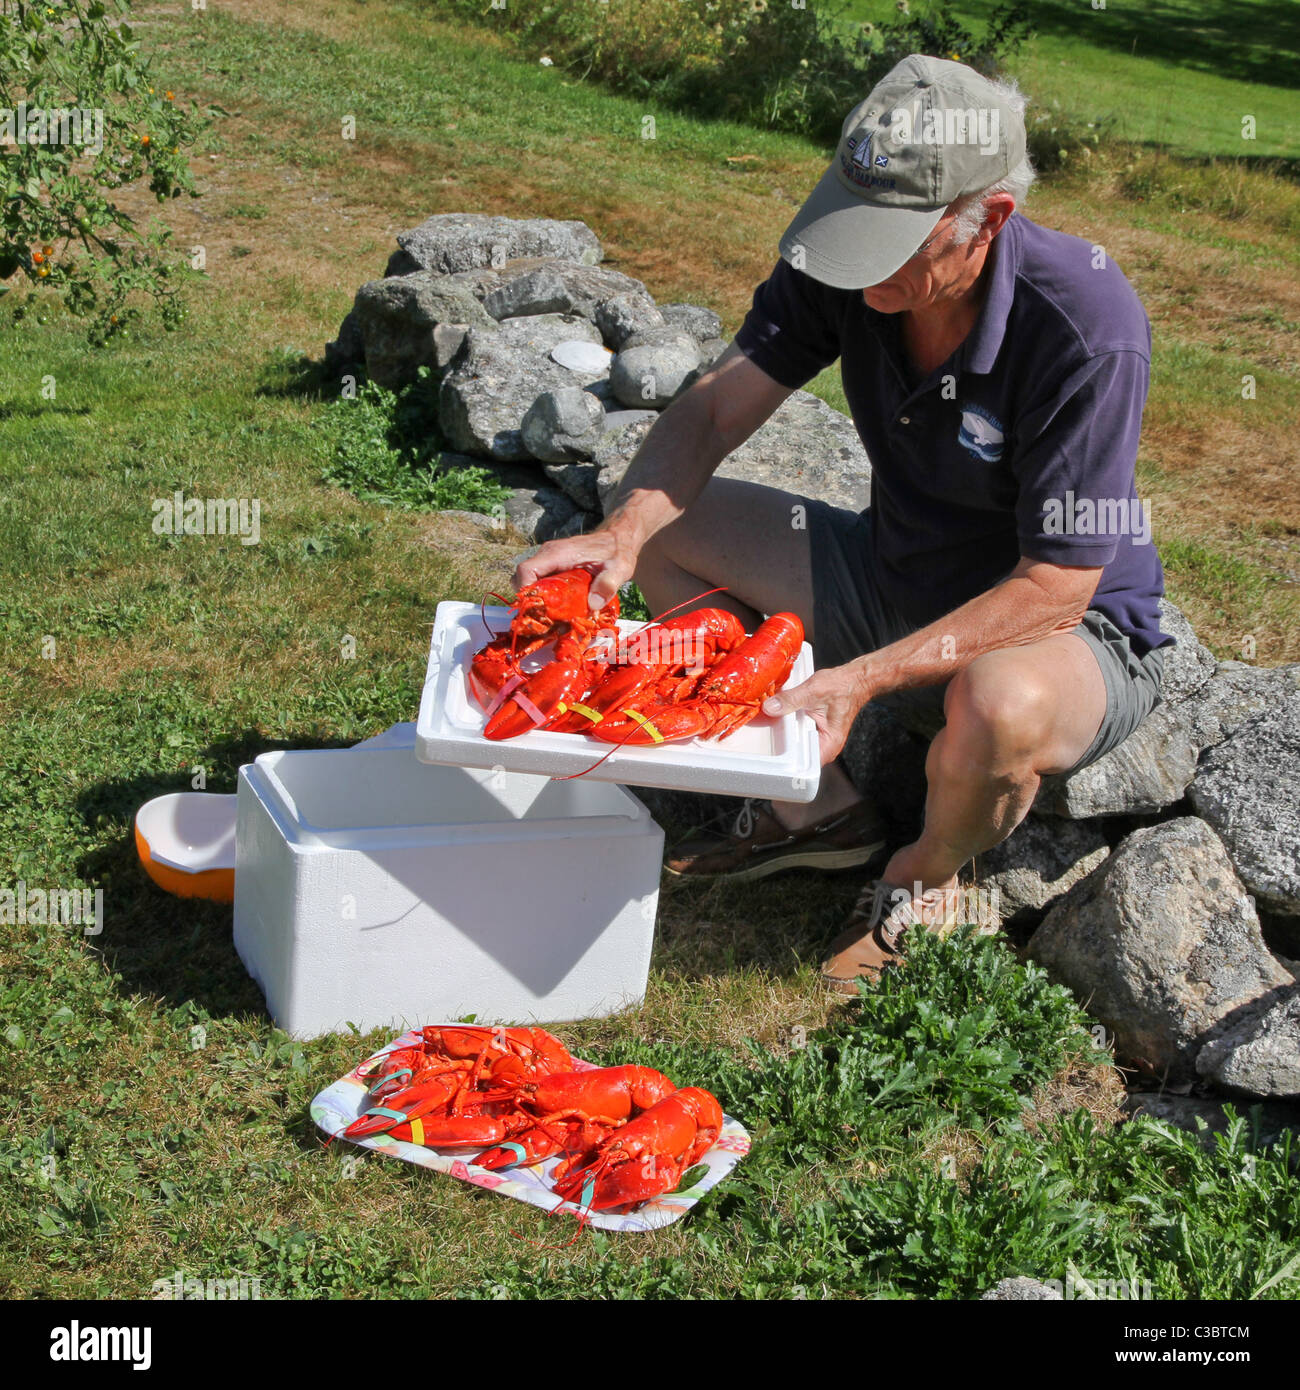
{"points": [[906, 1146], [1179, 74]]}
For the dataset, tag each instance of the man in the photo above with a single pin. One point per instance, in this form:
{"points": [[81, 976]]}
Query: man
{"points": [[1001, 590]]}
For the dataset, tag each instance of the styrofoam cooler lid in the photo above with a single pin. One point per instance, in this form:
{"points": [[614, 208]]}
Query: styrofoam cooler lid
{"points": [[768, 757]]}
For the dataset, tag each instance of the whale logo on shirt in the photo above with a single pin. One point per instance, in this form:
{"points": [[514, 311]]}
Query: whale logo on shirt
{"points": [[980, 434]]}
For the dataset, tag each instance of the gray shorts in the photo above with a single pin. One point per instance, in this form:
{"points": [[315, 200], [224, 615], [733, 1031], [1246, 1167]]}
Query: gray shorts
{"points": [[852, 617]]}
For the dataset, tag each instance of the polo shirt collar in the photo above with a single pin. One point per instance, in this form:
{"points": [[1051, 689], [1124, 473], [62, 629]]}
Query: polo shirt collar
{"points": [[980, 350]]}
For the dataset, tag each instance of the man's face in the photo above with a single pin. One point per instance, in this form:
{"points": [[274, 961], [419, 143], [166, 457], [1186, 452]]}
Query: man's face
{"points": [[939, 270]]}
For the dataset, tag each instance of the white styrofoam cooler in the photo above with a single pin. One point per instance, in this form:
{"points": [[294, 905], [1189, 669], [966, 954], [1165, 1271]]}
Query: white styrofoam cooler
{"points": [[768, 757], [376, 890]]}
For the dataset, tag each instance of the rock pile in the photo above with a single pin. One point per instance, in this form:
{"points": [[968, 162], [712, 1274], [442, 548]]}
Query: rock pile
{"points": [[1161, 884], [551, 368]]}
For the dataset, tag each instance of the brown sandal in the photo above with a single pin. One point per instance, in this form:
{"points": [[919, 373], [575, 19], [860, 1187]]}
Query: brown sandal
{"points": [[872, 938], [869, 942]]}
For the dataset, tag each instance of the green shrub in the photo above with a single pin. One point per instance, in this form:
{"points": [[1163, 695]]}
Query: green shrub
{"points": [[384, 446], [890, 1160], [759, 61], [90, 118], [632, 604]]}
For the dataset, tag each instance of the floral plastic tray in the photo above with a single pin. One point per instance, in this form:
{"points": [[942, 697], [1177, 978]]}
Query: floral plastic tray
{"points": [[338, 1105]]}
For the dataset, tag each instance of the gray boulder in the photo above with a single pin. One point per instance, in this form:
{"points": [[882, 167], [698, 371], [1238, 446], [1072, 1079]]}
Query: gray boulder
{"points": [[396, 322], [541, 333], [1188, 664], [622, 315], [564, 286], [1021, 1290], [1161, 943], [580, 481], [807, 448], [1232, 695], [453, 241], [710, 350], [650, 373], [1038, 863], [1260, 1054], [348, 349], [1248, 788], [887, 765], [543, 513], [1150, 770], [663, 336], [488, 389], [616, 450], [448, 339], [562, 425], [539, 291], [699, 322]]}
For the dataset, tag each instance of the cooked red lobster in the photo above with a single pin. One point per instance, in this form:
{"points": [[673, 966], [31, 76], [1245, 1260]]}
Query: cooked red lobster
{"points": [[695, 675], [627, 1132]]}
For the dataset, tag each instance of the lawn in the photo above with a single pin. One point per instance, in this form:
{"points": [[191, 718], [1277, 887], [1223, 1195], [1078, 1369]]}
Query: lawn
{"points": [[953, 1128], [1178, 74]]}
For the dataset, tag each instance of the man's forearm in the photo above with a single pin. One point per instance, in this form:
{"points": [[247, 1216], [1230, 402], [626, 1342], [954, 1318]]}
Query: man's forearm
{"points": [[1022, 609], [670, 469], [688, 442]]}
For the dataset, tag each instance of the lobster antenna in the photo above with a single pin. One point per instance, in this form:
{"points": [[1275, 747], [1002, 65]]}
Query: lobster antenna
{"points": [[569, 776], [482, 612], [650, 622]]}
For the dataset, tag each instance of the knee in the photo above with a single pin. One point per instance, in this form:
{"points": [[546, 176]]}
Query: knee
{"points": [[998, 710]]}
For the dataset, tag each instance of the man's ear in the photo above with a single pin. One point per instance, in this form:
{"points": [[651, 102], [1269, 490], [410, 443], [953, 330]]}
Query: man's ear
{"points": [[999, 207]]}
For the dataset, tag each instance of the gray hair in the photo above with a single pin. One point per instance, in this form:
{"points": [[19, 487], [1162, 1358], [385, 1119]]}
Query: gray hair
{"points": [[972, 210]]}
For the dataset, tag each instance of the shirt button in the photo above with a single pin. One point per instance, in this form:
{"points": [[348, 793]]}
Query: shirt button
{"points": [[904, 419]]}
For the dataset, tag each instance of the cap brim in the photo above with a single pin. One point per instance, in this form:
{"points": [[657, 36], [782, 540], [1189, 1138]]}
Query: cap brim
{"points": [[850, 243]]}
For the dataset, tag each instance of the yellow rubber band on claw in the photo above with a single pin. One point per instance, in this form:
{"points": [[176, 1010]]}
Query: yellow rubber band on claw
{"points": [[417, 1131], [587, 713], [645, 724]]}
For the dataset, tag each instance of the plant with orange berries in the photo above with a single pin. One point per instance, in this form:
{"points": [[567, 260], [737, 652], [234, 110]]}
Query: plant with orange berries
{"points": [[62, 227]]}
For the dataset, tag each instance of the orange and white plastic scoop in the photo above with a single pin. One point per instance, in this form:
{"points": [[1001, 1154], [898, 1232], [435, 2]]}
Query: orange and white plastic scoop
{"points": [[186, 842]]}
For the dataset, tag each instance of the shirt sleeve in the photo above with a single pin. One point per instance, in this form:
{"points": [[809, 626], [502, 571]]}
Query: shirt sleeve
{"points": [[792, 330], [1075, 457]]}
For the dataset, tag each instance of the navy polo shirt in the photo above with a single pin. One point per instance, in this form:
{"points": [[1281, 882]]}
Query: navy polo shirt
{"points": [[1023, 443]]}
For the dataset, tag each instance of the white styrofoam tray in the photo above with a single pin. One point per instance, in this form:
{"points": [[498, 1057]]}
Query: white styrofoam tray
{"points": [[769, 757]]}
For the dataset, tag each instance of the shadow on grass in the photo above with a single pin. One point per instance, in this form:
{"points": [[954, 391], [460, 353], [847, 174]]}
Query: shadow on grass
{"points": [[286, 377], [37, 410], [1269, 165], [175, 949], [1251, 43]]}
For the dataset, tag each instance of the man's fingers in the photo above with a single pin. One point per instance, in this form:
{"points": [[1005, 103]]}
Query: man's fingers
{"points": [[600, 593], [800, 697], [603, 588], [553, 557]]}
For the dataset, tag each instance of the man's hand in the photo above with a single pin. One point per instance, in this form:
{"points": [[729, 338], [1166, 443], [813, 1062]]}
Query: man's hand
{"points": [[833, 697], [606, 552]]}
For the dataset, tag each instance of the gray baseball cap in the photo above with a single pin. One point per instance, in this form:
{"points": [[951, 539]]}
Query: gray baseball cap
{"points": [[931, 131]]}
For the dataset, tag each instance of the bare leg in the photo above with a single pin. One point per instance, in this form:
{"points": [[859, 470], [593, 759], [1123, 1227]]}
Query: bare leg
{"points": [[736, 534], [749, 538], [1013, 716]]}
